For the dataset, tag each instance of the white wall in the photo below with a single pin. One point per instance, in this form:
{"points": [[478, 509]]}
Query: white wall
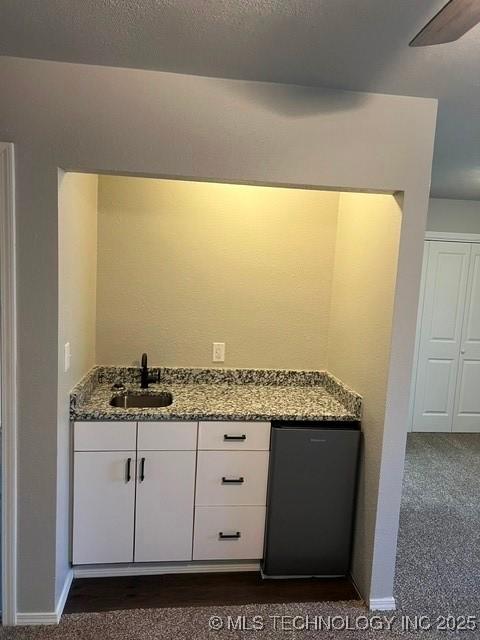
{"points": [[158, 124], [77, 282], [456, 216]]}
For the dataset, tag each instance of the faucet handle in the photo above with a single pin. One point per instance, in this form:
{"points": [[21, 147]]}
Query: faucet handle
{"points": [[154, 376]]}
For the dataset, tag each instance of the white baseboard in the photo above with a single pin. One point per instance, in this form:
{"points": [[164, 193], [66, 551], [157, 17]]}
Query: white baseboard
{"points": [[64, 595], [47, 617], [160, 569], [382, 604], [34, 619]]}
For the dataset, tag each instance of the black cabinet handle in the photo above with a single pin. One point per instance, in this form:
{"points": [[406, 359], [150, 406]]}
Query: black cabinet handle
{"points": [[229, 536], [233, 480], [129, 470], [142, 469], [227, 437]]}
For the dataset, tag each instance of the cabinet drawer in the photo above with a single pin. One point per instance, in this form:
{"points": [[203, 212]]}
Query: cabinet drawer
{"points": [[246, 436], [167, 436], [232, 478], [213, 525], [105, 436]]}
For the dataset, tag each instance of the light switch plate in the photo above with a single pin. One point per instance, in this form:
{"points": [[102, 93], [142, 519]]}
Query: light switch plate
{"points": [[218, 354], [67, 355]]}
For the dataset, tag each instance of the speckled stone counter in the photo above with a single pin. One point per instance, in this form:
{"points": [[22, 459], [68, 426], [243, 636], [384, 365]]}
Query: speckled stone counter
{"points": [[219, 394]]}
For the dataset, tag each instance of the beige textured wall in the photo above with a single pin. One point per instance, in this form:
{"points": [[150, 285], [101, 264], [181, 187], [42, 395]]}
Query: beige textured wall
{"points": [[77, 277], [185, 264], [77, 274], [360, 333]]}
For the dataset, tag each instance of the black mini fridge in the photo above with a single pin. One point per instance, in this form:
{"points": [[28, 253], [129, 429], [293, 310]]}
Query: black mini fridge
{"points": [[311, 498]]}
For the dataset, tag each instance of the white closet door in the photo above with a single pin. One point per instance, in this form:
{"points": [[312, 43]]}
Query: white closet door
{"points": [[440, 338], [467, 401]]}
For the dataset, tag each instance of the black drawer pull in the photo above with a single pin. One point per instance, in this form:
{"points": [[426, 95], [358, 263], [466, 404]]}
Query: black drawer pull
{"points": [[227, 437], [232, 480], [229, 536], [142, 469], [128, 470]]}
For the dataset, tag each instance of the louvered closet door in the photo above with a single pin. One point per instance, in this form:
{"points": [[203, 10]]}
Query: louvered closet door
{"points": [[467, 401], [440, 338]]}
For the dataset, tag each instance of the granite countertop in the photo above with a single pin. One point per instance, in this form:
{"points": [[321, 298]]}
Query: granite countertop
{"points": [[219, 394]]}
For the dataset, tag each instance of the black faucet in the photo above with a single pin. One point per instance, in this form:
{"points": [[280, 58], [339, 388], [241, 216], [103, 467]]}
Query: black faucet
{"points": [[145, 378]]}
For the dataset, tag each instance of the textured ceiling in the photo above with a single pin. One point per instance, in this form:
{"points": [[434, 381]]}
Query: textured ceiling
{"points": [[349, 44]]}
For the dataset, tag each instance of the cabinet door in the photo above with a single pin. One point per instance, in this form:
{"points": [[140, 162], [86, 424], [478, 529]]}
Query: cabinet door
{"points": [[103, 506], [164, 511], [440, 337], [467, 401]]}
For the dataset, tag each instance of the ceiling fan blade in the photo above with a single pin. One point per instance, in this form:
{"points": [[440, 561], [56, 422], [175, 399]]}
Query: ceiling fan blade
{"points": [[456, 18]]}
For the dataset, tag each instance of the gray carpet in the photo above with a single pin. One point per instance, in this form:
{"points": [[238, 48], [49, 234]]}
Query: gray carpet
{"points": [[440, 524], [438, 569]]}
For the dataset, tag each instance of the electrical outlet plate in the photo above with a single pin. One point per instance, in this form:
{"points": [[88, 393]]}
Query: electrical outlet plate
{"points": [[218, 354]]}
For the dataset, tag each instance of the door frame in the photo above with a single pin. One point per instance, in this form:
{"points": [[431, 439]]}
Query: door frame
{"points": [[8, 356], [443, 236], [448, 236]]}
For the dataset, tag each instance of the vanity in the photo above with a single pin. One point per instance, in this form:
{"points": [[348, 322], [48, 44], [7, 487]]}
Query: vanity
{"points": [[187, 482], [169, 491]]}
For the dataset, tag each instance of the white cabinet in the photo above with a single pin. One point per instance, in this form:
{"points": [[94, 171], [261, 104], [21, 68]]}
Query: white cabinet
{"points": [[104, 491], [166, 461], [164, 510], [133, 505], [446, 396], [103, 508], [231, 490], [139, 496]]}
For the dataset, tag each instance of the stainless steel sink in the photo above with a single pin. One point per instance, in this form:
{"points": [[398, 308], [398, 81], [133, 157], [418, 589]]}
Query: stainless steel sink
{"points": [[142, 400]]}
